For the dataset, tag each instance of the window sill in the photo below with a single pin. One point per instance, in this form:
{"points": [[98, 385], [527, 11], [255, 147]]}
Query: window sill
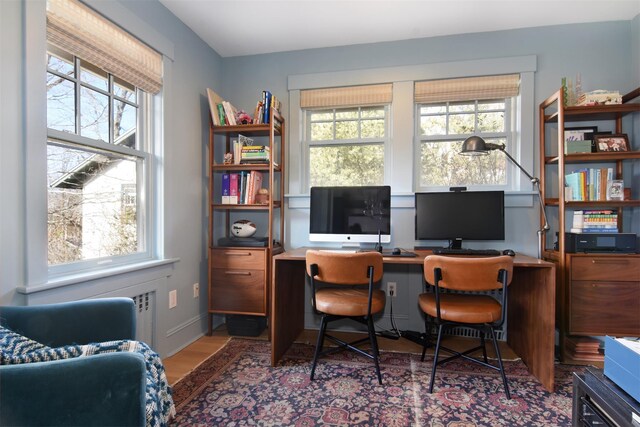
{"points": [[73, 279]]}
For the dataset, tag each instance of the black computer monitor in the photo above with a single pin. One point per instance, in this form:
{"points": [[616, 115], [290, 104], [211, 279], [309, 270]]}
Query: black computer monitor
{"points": [[459, 215], [350, 215]]}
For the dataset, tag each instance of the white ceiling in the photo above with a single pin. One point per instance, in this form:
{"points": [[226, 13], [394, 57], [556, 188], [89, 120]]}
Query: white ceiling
{"points": [[247, 27]]}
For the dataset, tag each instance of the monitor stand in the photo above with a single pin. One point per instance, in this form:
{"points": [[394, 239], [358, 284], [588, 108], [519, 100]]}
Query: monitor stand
{"points": [[455, 244]]}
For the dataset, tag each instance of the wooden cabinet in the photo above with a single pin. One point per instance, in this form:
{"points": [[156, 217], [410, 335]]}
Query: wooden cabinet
{"points": [[597, 294], [239, 271]]}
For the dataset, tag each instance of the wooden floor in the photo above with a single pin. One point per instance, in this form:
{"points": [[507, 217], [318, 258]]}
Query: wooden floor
{"points": [[183, 362]]}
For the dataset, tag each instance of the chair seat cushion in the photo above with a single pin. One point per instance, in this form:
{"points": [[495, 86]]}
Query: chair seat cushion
{"points": [[348, 302], [463, 308]]}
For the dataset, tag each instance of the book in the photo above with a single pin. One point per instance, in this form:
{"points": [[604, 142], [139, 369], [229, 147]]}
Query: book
{"points": [[233, 188], [266, 103], [221, 115], [225, 189], [254, 185], [229, 113], [214, 100]]}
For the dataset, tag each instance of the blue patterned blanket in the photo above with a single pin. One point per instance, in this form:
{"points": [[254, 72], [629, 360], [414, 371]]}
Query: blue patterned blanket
{"points": [[16, 348]]}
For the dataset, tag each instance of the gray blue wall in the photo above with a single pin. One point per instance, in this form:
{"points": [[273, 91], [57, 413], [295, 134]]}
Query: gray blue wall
{"points": [[606, 54]]}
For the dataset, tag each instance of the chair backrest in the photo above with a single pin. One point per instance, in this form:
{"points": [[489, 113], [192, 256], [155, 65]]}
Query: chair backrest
{"points": [[345, 268], [468, 273]]}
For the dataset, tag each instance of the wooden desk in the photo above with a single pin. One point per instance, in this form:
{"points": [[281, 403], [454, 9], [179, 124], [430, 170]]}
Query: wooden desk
{"points": [[530, 311]]}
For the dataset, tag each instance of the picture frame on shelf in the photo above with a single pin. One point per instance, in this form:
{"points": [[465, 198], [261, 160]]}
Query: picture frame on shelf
{"points": [[579, 139], [616, 142], [615, 190]]}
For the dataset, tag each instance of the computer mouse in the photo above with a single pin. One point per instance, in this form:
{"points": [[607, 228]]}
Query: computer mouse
{"points": [[509, 252], [396, 251]]}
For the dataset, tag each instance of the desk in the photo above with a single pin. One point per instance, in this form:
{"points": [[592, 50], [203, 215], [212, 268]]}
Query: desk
{"points": [[530, 310]]}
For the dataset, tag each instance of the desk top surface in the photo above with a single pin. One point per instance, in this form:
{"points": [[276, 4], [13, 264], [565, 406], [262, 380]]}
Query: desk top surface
{"points": [[518, 260]]}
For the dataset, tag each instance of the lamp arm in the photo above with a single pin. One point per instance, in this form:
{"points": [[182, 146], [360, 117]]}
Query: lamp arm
{"points": [[536, 183]]}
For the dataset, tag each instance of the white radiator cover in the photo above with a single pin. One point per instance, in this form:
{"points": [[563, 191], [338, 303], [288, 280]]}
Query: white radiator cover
{"points": [[145, 317]]}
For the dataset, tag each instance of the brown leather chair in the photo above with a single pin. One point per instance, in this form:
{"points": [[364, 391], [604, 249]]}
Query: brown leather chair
{"points": [[445, 275], [343, 287]]}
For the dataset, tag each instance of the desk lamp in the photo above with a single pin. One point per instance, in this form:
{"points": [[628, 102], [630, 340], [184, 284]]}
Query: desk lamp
{"points": [[476, 146]]}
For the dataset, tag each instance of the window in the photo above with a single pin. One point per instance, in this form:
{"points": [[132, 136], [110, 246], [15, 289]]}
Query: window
{"points": [[101, 84], [96, 162], [346, 134], [346, 146], [454, 110], [443, 128]]}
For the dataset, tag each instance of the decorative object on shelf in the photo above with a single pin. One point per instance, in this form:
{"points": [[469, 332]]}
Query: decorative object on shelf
{"points": [[242, 118], [615, 142], [228, 158], [579, 139], [243, 228], [262, 198], [476, 146], [599, 97], [615, 190]]}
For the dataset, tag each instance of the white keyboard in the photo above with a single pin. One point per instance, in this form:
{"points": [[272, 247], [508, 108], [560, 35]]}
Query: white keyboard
{"points": [[340, 251]]}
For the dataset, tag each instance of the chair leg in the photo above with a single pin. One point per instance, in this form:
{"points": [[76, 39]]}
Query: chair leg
{"points": [[504, 377], [374, 347], [435, 358], [319, 345]]}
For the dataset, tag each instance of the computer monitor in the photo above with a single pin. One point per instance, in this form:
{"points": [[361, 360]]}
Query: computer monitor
{"points": [[459, 215], [350, 215]]}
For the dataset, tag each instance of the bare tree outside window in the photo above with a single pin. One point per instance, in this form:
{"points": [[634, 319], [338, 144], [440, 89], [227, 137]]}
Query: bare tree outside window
{"points": [[93, 208], [442, 129]]}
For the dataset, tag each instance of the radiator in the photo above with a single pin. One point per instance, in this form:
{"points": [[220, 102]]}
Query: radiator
{"points": [[145, 317]]}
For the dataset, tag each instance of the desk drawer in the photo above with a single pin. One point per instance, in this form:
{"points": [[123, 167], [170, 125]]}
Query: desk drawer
{"points": [[249, 259], [612, 268], [241, 291], [604, 308]]}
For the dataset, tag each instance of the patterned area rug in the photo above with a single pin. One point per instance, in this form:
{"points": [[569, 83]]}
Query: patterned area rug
{"points": [[238, 387]]}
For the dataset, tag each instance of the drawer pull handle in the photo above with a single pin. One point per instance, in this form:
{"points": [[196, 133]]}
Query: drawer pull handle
{"points": [[238, 273], [238, 253], [610, 261]]}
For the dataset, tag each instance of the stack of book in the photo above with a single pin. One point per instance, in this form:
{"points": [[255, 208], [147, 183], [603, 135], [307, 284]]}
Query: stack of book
{"points": [[595, 221], [223, 113], [587, 184], [255, 154], [583, 348], [264, 106], [241, 188]]}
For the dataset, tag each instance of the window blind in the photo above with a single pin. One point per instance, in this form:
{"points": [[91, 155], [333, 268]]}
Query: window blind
{"points": [[81, 31], [468, 88], [347, 96]]}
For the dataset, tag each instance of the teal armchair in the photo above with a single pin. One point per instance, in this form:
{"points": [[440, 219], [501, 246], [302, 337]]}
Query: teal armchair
{"points": [[103, 389]]}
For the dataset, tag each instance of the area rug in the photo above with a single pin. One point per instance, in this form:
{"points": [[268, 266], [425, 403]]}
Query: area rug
{"points": [[238, 387]]}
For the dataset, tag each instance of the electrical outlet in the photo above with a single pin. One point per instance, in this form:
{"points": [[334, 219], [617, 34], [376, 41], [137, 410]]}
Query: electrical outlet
{"points": [[173, 298], [196, 290], [391, 289]]}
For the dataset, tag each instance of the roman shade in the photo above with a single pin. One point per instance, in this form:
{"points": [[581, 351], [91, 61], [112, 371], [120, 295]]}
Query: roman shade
{"points": [[84, 33], [347, 96], [468, 88]]}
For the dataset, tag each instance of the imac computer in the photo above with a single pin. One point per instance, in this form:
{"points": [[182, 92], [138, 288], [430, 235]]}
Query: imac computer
{"points": [[350, 215], [459, 215]]}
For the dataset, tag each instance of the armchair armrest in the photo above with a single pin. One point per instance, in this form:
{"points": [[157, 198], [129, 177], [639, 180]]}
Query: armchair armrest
{"points": [[77, 322], [104, 389]]}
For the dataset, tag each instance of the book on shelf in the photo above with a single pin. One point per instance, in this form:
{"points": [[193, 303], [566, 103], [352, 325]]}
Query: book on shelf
{"points": [[230, 112], [221, 116], [233, 188], [266, 104], [225, 189], [588, 184], [589, 221], [255, 154], [214, 100]]}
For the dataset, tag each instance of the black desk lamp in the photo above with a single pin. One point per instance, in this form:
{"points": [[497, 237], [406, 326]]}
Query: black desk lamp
{"points": [[476, 146]]}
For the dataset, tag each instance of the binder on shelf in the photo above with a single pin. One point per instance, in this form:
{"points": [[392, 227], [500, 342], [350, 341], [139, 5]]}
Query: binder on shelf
{"points": [[233, 188], [225, 189]]}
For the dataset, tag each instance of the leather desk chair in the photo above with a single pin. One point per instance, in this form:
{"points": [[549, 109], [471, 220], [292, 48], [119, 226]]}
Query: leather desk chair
{"points": [[450, 309], [343, 287]]}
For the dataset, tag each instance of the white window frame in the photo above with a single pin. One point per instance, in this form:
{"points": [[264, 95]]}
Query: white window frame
{"points": [[509, 134], [37, 274], [307, 143]]}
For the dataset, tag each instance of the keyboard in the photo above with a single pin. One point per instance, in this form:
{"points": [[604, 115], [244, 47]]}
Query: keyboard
{"points": [[464, 251]]}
